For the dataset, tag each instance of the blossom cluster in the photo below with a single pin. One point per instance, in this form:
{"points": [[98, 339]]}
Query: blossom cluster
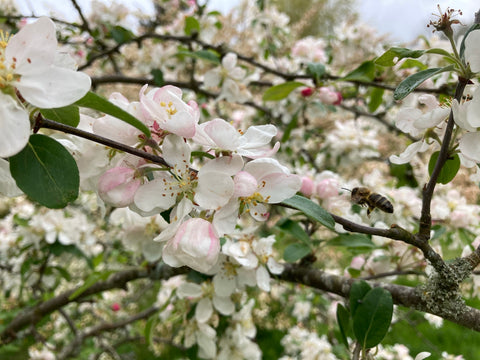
{"points": [[204, 198]]}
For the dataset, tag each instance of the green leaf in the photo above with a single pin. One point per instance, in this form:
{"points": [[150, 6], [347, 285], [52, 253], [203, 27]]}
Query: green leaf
{"points": [[404, 174], [312, 210], [149, 326], [295, 252], [439, 51], [158, 79], [192, 25], [394, 54], [449, 169], [316, 70], [289, 128], [357, 292], [96, 102], [413, 81], [344, 323], [372, 317], [294, 229], [121, 35], [352, 241], [68, 115], [63, 272], [89, 281], [208, 55], [412, 63], [376, 99], [59, 249], [365, 72], [46, 172], [281, 91]]}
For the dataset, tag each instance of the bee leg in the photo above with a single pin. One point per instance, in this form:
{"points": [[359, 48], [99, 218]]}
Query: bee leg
{"points": [[369, 211]]}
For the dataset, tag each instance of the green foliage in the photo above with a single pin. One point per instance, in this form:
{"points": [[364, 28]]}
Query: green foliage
{"points": [[312, 210], [295, 252], [68, 115], [281, 91], [294, 229], [357, 292], [316, 70], [97, 102], [404, 175], [345, 323], [375, 99], [352, 241], [158, 78], [52, 178], [365, 72], [269, 341], [395, 54], [192, 26], [89, 281], [121, 35], [371, 313], [208, 55], [372, 317], [449, 169], [415, 80], [411, 328], [59, 249]]}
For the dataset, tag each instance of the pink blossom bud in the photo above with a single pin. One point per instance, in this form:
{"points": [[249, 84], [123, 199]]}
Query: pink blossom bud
{"points": [[327, 188], [117, 186], [339, 98], [307, 92], [307, 186], [328, 96], [115, 306], [357, 262], [195, 244]]}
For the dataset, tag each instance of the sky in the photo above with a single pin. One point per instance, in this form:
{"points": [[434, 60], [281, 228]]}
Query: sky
{"points": [[403, 20]]}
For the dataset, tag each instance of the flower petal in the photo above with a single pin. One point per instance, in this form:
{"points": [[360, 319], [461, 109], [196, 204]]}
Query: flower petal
{"points": [[469, 146], [409, 153], [54, 87], [14, 127], [33, 46], [472, 53]]}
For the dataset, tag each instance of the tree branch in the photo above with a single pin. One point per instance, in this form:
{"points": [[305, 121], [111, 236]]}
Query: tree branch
{"points": [[425, 223], [402, 295], [72, 348], [49, 124], [34, 314]]}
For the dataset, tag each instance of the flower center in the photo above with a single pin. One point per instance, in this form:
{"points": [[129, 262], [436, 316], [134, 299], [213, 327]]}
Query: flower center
{"points": [[169, 107], [7, 73]]}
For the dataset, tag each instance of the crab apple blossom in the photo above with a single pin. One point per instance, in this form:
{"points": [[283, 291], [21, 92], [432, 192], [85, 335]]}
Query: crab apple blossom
{"points": [[31, 65], [195, 244], [161, 193], [254, 143], [215, 185], [112, 128], [165, 107], [118, 186], [229, 76], [262, 181], [472, 53], [425, 113]]}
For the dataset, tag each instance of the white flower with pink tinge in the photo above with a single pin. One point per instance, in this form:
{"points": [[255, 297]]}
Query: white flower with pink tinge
{"points": [[31, 65]]}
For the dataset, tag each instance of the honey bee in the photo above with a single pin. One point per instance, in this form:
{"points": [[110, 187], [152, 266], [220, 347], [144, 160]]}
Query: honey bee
{"points": [[365, 197]]}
